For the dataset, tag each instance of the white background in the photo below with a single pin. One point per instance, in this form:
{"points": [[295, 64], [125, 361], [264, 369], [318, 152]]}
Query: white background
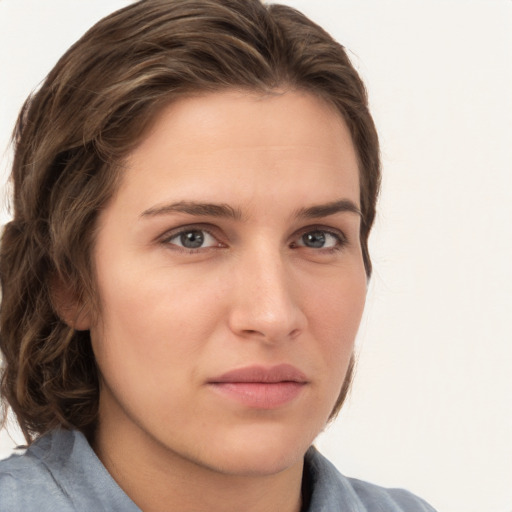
{"points": [[431, 408]]}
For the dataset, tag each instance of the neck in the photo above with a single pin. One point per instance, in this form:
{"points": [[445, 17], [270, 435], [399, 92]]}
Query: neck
{"points": [[158, 479]]}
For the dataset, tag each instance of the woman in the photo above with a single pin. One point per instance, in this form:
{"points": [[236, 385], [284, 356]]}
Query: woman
{"points": [[185, 272]]}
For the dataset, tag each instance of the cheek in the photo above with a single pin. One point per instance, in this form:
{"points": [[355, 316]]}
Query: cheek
{"points": [[152, 319], [336, 305], [334, 313], [149, 343]]}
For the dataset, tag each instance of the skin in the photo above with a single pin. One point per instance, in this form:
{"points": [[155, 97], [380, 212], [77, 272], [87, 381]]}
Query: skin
{"points": [[255, 292]]}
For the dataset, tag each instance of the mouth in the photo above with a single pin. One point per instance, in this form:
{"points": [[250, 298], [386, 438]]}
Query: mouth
{"points": [[260, 387]]}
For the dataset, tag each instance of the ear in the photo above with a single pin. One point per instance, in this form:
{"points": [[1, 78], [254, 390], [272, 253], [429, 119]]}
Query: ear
{"points": [[69, 307]]}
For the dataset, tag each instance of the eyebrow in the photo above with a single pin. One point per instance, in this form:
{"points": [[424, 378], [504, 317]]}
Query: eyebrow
{"points": [[194, 208], [225, 211], [324, 210]]}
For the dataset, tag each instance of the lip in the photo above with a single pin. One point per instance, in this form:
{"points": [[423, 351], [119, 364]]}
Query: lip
{"points": [[261, 387]]}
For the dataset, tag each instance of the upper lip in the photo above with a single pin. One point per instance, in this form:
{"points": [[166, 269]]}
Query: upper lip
{"points": [[263, 374]]}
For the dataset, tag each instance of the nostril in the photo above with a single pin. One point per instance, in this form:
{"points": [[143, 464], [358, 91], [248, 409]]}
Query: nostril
{"points": [[270, 336], [294, 333]]}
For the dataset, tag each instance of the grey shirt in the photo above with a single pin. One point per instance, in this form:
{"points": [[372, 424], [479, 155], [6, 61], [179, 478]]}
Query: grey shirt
{"points": [[61, 473]]}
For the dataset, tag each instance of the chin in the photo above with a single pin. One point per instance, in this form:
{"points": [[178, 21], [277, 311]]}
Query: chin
{"points": [[259, 462], [261, 452]]}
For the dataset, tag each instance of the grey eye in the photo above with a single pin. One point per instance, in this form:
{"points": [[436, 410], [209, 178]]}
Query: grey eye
{"points": [[314, 239], [192, 239], [320, 239]]}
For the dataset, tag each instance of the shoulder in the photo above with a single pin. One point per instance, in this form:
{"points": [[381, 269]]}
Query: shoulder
{"points": [[27, 482], [332, 491], [59, 472], [374, 497]]}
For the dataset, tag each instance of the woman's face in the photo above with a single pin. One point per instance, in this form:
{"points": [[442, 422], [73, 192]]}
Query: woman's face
{"points": [[231, 282]]}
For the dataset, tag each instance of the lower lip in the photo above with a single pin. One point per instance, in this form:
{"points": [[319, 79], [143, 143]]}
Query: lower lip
{"points": [[260, 395]]}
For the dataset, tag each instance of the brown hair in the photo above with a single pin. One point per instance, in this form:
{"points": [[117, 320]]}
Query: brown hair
{"points": [[73, 133]]}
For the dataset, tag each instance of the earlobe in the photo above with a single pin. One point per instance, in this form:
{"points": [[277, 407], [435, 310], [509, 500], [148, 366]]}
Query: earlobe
{"points": [[81, 319], [70, 308]]}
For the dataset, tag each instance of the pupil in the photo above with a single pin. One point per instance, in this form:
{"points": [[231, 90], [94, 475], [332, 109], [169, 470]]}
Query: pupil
{"points": [[314, 239], [192, 239]]}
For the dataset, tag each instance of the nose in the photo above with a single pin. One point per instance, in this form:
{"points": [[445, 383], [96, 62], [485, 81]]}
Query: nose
{"points": [[265, 301]]}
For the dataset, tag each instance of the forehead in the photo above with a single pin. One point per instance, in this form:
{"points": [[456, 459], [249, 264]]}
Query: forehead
{"points": [[252, 118], [244, 144]]}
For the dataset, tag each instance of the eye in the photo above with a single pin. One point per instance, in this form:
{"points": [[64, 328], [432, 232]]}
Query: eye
{"points": [[320, 239], [192, 239]]}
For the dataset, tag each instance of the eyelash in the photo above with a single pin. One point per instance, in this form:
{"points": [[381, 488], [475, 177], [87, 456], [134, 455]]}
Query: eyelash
{"points": [[166, 240], [341, 239]]}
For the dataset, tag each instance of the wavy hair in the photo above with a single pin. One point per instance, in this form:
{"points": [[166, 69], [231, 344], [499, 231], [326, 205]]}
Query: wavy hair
{"points": [[74, 132]]}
